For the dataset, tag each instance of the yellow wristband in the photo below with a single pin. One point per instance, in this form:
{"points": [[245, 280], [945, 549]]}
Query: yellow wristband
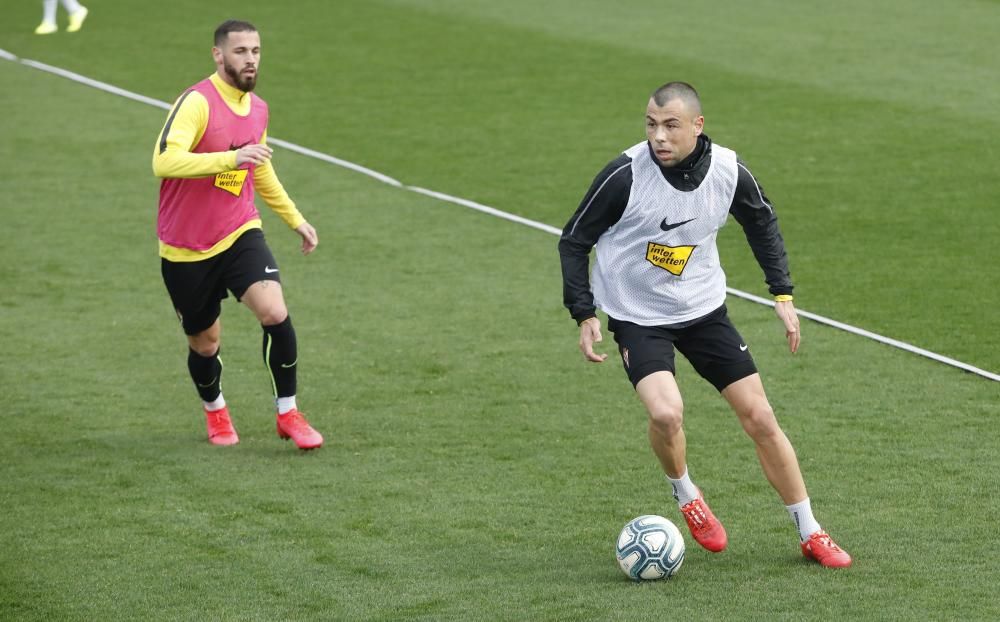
{"points": [[783, 298]]}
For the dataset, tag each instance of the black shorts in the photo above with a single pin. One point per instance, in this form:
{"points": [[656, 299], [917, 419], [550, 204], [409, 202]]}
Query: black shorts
{"points": [[197, 288], [712, 345]]}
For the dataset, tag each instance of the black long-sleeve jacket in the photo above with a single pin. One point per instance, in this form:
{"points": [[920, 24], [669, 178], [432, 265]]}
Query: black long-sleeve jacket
{"points": [[605, 202]]}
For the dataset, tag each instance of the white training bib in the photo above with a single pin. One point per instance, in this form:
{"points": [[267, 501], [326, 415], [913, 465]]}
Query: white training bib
{"points": [[659, 264]]}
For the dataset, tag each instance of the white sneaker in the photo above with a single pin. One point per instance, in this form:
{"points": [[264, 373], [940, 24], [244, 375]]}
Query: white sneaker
{"points": [[76, 19]]}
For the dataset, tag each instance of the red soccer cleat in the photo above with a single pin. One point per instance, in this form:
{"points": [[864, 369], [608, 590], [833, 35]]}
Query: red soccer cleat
{"points": [[705, 528], [824, 550], [220, 427], [293, 425]]}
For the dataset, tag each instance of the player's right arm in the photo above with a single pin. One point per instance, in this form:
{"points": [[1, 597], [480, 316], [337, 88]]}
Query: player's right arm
{"points": [[600, 209], [185, 125]]}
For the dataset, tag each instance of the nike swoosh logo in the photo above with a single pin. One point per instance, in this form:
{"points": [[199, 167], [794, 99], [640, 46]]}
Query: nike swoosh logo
{"points": [[667, 226], [269, 270], [743, 348], [290, 365]]}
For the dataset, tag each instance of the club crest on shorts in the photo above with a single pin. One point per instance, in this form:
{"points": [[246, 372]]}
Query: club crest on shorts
{"points": [[673, 259]]}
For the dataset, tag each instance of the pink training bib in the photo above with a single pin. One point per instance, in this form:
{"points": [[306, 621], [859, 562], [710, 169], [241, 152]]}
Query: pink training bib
{"points": [[197, 213]]}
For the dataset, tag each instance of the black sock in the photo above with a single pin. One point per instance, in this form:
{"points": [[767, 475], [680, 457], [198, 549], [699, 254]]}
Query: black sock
{"points": [[281, 356], [206, 371]]}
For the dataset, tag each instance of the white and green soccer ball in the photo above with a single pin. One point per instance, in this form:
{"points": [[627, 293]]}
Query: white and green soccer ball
{"points": [[650, 547]]}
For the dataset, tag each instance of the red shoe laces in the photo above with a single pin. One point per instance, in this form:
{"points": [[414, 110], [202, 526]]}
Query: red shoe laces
{"points": [[826, 542], [297, 421], [695, 514]]}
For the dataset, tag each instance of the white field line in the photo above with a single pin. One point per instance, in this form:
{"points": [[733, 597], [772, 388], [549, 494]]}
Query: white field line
{"points": [[493, 212], [902, 345], [104, 86], [486, 209]]}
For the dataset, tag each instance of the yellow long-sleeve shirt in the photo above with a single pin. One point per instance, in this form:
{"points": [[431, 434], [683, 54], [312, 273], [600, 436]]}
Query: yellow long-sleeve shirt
{"points": [[187, 122]]}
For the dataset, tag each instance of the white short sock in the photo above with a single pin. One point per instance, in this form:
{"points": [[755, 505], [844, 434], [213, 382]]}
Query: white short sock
{"points": [[71, 6], [683, 488], [285, 404], [49, 11], [220, 402], [802, 515]]}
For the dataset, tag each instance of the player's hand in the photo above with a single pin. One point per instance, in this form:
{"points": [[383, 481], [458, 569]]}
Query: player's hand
{"points": [[253, 154], [309, 238], [590, 333], [786, 312]]}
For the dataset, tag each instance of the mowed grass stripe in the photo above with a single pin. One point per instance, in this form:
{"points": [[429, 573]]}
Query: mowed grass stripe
{"points": [[510, 217], [888, 55], [477, 469], [883, 218]]}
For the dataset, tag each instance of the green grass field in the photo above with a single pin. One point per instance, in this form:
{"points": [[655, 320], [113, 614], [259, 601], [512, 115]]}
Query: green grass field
{"points": [[476, 467]]}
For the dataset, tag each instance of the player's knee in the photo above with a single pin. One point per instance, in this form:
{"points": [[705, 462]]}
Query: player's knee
{"points": [[666, 416], [273, 316], [759, 422], [205, 345]]}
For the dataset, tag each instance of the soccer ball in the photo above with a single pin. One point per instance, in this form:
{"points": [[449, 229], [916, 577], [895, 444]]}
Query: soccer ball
{"points": [[650, 547]]}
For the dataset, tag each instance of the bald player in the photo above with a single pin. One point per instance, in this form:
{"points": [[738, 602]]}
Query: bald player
{"points": [[653, 214]]}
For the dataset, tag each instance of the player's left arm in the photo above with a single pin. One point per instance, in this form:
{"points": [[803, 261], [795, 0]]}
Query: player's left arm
{"points": [[267, 185], [755, 213]]}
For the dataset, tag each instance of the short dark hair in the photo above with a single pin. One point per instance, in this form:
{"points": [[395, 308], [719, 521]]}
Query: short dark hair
{"points": [[231, 25], [678, 90]]}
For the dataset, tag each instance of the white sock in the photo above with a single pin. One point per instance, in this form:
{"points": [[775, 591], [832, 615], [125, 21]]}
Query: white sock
{"points": [[220, 402], [49, 11], [802, 515], [285, 404], [71, 6], [684, 489]]}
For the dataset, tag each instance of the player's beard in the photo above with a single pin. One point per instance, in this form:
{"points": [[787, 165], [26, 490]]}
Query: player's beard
{"points": [[244, 84]]}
